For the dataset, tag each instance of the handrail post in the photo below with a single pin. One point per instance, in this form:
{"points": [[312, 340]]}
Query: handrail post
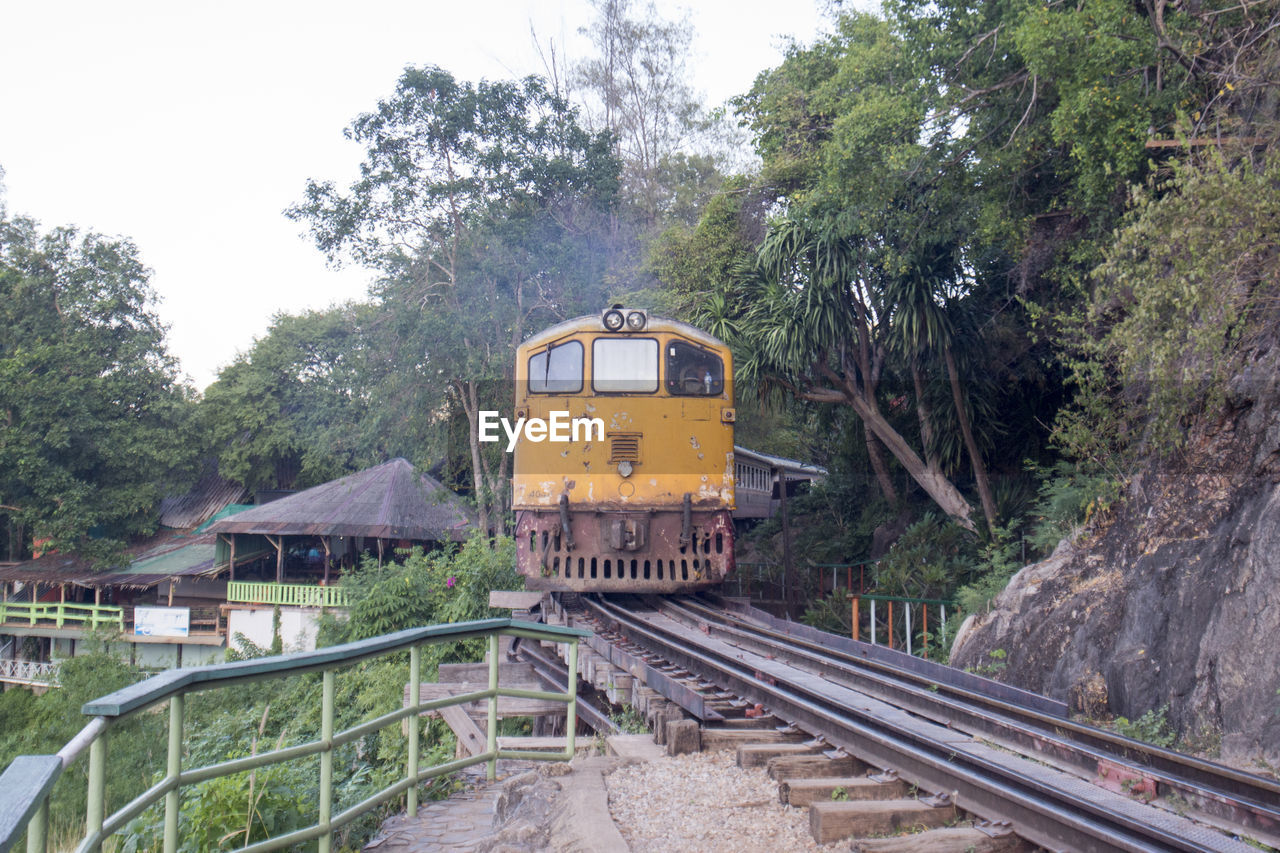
{"points": [[38, 829], [172, 771], [857, 600], [491, 736], [415, 724], [326, 761], [571, 708], [96, 807]]}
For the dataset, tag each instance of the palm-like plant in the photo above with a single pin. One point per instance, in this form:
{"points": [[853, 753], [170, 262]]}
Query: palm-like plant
{"points": [[818, 324]]}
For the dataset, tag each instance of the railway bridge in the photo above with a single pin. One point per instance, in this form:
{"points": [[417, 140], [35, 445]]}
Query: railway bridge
{"points": [[870, 740]]}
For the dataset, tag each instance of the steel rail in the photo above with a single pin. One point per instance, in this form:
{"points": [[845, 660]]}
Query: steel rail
{"points": [[1047, 806], [1245, 802], [555, 675]]}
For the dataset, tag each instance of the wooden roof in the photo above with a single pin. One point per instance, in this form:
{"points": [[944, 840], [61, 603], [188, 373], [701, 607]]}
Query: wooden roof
{"points": [[210, 494], [387, 501], [168, 554]]}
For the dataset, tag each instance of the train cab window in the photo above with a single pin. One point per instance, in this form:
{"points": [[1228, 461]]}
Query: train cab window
{"points": [[557, 369], [624, 365], [693, 372]]}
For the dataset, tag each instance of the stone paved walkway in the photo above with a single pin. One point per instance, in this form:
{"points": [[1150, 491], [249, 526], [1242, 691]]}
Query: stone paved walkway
{"points": [[459, 823], [531, 806]]}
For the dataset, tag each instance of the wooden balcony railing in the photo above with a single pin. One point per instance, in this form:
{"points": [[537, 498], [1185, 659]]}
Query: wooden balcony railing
{"points": [[53, 614], [286, 594]]}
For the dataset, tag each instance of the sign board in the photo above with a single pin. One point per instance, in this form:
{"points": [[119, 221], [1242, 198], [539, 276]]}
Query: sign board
{"points": [[162, 621]]}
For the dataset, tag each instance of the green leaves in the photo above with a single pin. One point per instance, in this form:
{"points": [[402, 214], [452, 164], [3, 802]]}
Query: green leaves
{"points": [[92, 420]]}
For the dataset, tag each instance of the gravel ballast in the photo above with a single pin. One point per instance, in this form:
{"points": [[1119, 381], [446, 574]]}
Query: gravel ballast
{"points": [[705, 802]]}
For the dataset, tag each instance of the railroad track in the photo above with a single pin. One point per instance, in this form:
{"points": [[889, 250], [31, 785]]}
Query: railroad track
{"points": [[996, 752]]}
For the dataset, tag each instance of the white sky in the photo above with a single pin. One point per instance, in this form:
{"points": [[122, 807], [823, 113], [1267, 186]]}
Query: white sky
{"points": [[188, 127]]}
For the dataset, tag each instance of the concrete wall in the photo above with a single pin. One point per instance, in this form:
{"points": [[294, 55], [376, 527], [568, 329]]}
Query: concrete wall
{"points": [[298, 626]]}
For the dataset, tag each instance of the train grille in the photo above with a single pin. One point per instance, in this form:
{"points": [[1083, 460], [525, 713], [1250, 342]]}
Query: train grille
{"points": [[624, 447]]}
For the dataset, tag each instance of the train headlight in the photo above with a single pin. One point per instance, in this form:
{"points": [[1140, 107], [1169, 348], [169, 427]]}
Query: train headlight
{"points": [[624, 468], [613, 319], [636, 320]]}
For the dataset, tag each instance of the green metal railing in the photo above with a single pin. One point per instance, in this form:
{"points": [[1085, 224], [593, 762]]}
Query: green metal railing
{"points": [[28, 781], [287, 594], [61, 614]]}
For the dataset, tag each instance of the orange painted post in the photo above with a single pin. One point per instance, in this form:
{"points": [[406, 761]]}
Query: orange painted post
{"points": [[855, 601], [890, 624]]}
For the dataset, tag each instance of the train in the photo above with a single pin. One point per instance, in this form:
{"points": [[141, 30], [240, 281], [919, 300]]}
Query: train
{"points": [[623, 473]]}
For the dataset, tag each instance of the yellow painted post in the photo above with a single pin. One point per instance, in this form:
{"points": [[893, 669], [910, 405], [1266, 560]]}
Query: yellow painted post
{"points": [[492, 735], [571, 711], [326, 762], [38, 829], [95, 810], [173, 768], [415, 723]]}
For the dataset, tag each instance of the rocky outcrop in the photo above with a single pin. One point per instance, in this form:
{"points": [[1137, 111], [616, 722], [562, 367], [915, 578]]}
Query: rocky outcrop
{"points": [[1174, 599]]}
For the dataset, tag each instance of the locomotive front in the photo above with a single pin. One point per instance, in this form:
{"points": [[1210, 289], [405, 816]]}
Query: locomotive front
{"points": [[623, 474]]}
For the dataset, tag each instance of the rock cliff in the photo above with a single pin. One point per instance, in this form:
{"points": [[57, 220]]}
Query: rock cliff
{"points": [[1173, 598]]}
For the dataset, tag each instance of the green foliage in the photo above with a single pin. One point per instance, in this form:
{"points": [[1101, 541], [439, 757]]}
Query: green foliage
{"points": [[1152, 727], [41, 725], [485, 208], [636, 87], [998, 561], [1188, 285], [927, 561], [1068, 497], [630, 721], [831, 613], [437, 587], [292, 412], [92, 418]]}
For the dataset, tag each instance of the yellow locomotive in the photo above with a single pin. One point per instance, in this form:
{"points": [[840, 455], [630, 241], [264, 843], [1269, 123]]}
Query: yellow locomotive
{"points": [[623, 477]]}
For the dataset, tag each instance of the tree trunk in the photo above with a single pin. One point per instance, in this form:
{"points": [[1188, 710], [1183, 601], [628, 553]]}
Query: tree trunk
{"points": [[466, 391], [975, 457], [875, 450], [933, 481], [935, 484], [925, 417]]}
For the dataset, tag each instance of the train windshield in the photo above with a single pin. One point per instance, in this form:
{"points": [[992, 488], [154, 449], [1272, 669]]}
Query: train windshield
{"points": [[693, 372], [624, 365], [557, 369]]}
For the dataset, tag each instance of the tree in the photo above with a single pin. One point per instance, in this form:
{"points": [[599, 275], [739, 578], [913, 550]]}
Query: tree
{"points": [[482, 206], [639, 92], [293, 411], [93, 423], [862, 273]]}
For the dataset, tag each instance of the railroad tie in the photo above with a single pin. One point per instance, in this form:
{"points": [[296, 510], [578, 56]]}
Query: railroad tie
{"points": [[839, 819], [804, 792], [760, 754]]}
